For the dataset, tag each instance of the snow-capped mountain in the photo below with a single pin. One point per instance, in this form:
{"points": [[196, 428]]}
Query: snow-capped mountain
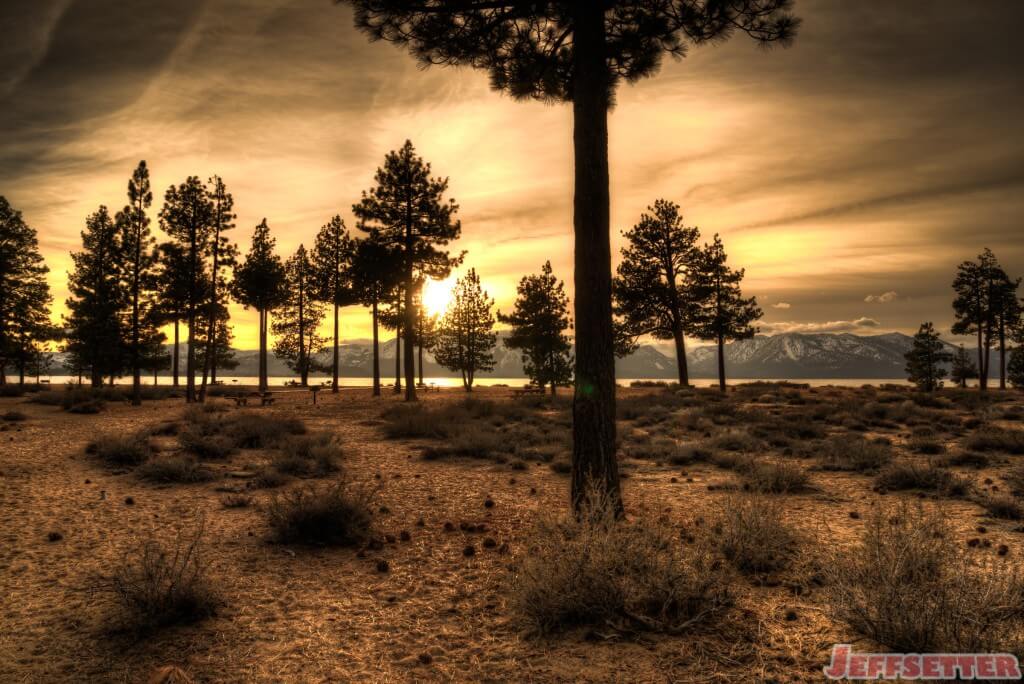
{"points": [[789, 355]]}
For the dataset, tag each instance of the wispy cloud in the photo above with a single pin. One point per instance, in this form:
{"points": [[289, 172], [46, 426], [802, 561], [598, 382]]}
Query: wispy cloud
{"points": [[857, 325], [883, 298]]}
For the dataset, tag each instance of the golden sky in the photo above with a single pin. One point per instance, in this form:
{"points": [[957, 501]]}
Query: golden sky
{"points": [[848, 175]]}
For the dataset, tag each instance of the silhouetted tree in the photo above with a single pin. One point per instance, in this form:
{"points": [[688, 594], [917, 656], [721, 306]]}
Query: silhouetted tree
{"points": [[24, 293], [408, 211], [222, 254], [171, 288], [187, 217], [332, 259], [926, 359], [963, 368], [465, 336], [374, 275], [1015, 368], [259, 283], [300, 316], [1007, 311], [651, 292], [95, 334], [137, 243], [391, 319], [977, 287], [224, 354], [721, 312], [426, 330], [571, 51], [539, 320]]}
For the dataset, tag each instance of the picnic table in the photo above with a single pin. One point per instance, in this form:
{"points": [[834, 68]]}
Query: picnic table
{"points": [[428, 387], [527, 390]]}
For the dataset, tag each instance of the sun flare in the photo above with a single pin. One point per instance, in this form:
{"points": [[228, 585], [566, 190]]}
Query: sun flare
{"points": [[437, 294]]}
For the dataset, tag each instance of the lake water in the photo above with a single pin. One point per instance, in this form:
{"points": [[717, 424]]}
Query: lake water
{"points": [[279, 381]]}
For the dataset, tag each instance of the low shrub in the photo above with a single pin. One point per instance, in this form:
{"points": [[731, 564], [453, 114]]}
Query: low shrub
{"points": [[14, 416], [156, 587], [337, 515], [598, 570], [90, 406], [752, 534], [1001, 506], [776, 478], [856, 454], [964, 458], [909, 586], [903, 475], [177, 469], [926, 445], [199, 442], [308, 455], [258, 431], [996, 439], [121, 450]]}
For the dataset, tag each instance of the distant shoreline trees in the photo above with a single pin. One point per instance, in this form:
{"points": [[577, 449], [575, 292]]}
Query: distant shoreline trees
{"points": [[259, 283], [652, 291], [465, 335], [299, 318], [927, 359], [539, 319], [24, 294], [332, 260], [406, 210]]}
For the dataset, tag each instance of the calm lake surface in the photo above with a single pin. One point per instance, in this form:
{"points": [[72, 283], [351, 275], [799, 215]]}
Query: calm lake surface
{"points": [[279, 381]]}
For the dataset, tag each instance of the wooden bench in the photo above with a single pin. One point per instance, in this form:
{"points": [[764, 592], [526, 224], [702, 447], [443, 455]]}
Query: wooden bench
{"points": [[241, 401], [267, 398]]}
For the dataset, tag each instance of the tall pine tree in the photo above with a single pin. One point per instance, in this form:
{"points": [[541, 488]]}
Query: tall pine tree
{"points": [[222, 255], [259, 283], [977, 287], [332, 259], [187, 217], [137, 243], [465, 336], [24, 293], [926, 359], [172, 287], [721, 313], [95, 332], [578, 52], [408, 211], [539, 320], [374, 277], [651, 291], [296, 326], [963, 367]]}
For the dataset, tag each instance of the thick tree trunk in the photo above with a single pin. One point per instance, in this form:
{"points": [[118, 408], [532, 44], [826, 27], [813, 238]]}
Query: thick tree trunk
{"points": [[684, 373], [174, 361], [721, 363], [376, 354], [420, 353], [409, 320], [334, 380], [982, 376], [264, 315], [303, 352], [594, 463], [190, 360], [398, 347]]}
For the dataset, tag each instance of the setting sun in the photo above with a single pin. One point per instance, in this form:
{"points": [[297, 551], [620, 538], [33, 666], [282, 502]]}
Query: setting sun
{"points": [[437, 294]]}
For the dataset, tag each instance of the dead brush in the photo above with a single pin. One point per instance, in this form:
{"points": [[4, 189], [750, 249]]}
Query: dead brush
{"points": [[155, 586], [910, 586], [752, 534], [774, 477], [336, 515], [121, 450], [599, 570], [854, 454], [308, 455]]}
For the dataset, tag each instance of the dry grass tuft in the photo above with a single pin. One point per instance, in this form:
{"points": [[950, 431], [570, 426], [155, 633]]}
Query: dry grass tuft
{"points": [[158, 587], [855, 454], [996, 439], [909, 586], [602, 571], [177, 469], [121, 450], [308, 455], [753, 536], [903, 475], [337, 515]]}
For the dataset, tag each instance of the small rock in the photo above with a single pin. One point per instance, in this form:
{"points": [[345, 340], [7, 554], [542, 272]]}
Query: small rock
{"points": [[490, 543], [974, 541], [791, 616], [854, 515], [1003, 550], [384, 509], [449, 527], [383, 566], [982, 529], [425, 658], [470, 550], [421, 522], [404, 535], [54, 537], [488, 502], [389, 538], [129, 501], [674, 480]]}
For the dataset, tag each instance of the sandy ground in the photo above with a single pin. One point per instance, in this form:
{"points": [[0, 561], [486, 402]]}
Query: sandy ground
{"points": [[309, 615]]}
